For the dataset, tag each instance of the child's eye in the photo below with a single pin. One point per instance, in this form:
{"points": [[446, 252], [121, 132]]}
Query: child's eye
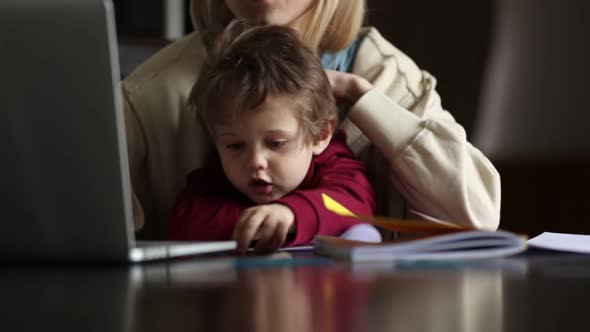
{"points": [[235, 146], [277, 143]]}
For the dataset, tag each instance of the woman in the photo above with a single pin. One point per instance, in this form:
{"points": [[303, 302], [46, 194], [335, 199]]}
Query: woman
{"points": [[418, 157]]}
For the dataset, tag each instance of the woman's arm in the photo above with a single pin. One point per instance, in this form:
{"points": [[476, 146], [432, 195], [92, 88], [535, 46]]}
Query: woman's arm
{"points": [[431, 163], [136, 155], [164, 142]]}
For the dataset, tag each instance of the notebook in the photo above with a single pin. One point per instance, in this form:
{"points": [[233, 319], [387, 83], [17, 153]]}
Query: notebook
{"points": [[65, 181], [427, 239], [456, 245]]}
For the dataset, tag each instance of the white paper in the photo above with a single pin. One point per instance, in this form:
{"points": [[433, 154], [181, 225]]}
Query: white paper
{"points": [[300, 248], [562, 242]]}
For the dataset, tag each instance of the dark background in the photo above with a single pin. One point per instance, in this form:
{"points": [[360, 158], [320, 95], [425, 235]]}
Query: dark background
{"points": [[454, 40]]}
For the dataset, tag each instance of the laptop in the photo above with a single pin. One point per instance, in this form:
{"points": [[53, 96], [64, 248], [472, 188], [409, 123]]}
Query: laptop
{"points": [[66, 193]]}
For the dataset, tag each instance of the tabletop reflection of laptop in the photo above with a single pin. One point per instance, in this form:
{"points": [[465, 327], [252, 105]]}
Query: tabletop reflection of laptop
{"points": [[64, 175]]}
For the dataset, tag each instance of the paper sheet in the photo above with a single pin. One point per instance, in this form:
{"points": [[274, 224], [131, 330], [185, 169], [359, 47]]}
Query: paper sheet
{"points": [[562, 242]]}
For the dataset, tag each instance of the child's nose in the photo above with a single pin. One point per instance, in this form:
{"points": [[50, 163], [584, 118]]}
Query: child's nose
{"points": [[257, 160]]}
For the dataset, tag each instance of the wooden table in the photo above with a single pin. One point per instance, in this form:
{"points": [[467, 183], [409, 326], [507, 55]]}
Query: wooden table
{"points": [[299, 292]]}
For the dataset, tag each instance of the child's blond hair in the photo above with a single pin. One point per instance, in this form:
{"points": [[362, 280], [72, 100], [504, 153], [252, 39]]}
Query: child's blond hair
{"points": [[249, 63]]}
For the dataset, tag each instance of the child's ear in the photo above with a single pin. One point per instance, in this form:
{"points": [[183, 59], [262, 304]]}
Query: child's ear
{"points": [[322, 143]]}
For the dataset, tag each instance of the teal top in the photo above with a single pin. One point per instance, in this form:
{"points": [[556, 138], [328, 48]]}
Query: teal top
{"points": [[343, 59]]}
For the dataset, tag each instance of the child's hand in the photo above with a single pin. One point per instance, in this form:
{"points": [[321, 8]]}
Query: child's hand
{"points": [[269, 224]]}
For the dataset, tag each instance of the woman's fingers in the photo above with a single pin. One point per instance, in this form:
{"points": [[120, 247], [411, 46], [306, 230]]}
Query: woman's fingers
{"points": [[347, 88]]}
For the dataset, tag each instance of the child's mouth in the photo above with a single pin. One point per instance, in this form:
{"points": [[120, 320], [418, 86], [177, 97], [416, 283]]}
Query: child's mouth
{"points": [[260, 186]]}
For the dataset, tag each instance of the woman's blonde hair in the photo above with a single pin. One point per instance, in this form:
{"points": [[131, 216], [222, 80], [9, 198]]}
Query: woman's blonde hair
{"points": [[334, 23]]}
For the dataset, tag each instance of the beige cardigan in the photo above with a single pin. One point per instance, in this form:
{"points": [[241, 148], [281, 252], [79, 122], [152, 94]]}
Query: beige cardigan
{"points": [[420, 161]]}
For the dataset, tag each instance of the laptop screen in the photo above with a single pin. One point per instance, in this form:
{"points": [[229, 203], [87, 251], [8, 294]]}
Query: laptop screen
{"points": [[66, 190]]}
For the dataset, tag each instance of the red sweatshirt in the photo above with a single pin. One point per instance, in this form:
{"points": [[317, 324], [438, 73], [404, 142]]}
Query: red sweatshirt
{"points": [[210, 206]]}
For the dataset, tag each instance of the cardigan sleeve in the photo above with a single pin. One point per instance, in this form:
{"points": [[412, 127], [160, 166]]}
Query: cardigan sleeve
{"points": [[136, 154], [431, 163]]}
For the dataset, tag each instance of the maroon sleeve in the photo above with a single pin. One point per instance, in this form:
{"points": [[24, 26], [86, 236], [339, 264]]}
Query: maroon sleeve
{"points": [[207, 209], [338, 174]]}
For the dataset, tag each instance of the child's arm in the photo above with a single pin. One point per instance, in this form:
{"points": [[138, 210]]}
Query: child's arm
{"points": [[338, 174], [207, 209]]}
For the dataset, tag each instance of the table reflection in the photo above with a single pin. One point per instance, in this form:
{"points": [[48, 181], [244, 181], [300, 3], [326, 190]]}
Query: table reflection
{"points": [[299, 293], [282, 295], [437, 301], [79, 298]]}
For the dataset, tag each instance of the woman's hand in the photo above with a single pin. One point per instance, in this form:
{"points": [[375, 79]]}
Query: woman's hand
{"points": [[269, 224], [348, 88]]}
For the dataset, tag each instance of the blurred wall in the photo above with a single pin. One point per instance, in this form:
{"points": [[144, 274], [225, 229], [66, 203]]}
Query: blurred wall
{"points": [[448, 38], [137, 18], [534, 115], [144, 19]]}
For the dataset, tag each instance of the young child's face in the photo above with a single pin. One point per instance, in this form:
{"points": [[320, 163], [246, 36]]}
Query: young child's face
{"points": [[264, 152]]}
